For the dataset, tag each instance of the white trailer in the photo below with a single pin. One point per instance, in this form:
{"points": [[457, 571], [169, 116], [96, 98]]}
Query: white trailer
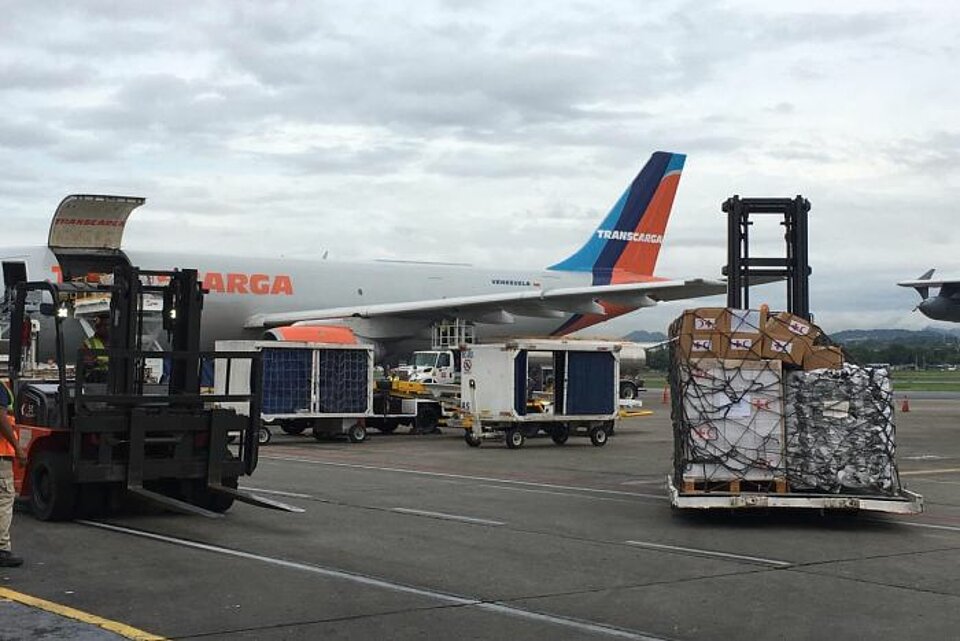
{"points": [[326, 387], [580, 400]]}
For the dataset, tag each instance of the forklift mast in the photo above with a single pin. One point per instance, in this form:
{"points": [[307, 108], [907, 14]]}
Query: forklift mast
{"points": [[742, 269]]}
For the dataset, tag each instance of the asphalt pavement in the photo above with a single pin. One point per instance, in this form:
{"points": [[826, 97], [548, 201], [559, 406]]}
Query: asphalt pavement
{"points": [[421, 537]]}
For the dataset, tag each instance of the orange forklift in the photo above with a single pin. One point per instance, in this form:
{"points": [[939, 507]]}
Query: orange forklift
{"points": [[129, 428]]}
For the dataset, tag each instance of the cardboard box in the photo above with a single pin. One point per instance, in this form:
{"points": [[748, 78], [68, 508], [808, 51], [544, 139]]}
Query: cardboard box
{"points": [[693, 347], [823, 358], [786, 324], [705, 320], [746, 321], [743, 346], [789, 350]]}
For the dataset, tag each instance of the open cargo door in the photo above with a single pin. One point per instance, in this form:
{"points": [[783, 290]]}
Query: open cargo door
{"points": [[87, 230]]}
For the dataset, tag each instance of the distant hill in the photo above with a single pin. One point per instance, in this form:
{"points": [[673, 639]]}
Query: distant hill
{"points": [[643, 336], [926, 336]]}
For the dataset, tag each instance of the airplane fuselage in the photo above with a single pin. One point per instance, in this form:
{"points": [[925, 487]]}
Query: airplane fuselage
{"points": [[242, 286]]}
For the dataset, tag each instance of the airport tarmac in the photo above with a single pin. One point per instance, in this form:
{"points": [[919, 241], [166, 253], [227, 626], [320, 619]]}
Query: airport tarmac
{"points": [[408, 537]]}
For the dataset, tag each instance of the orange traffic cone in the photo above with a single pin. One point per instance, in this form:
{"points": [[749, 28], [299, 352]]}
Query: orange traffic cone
{"points": [[666, 395], [905, 406]]}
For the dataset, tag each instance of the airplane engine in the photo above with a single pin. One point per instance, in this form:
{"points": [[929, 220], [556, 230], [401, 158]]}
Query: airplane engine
{"points": [[312, 334]]}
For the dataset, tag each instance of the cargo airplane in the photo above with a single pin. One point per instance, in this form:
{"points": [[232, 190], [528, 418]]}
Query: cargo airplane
{"points": [[392, 304], [945, 306]]}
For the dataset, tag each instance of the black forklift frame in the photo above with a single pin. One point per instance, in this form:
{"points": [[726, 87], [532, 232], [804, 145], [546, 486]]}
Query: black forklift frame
{"points": [[123, 412], [742, 270]]}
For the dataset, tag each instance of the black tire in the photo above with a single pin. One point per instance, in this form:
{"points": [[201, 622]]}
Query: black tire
{"points": [[598, 435], [203, 496], [472, 441], [264, 435], [628, 390], [53, 494], [560, 434], [428, 418], [514, 439], [357, 433], [292, 429], [388, 426]]}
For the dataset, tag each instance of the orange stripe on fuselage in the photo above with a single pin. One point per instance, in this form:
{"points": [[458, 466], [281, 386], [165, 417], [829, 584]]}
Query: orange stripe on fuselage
{"points": [[588, 320], [641, 258]]}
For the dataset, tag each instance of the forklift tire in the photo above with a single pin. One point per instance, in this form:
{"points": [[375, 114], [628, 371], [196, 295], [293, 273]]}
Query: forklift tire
{"points": [[598, 435], [515, 439], [628, 390], [202, 496], [53, 495], [357, 433], [560, 434], [472, 441], [292, 428]]}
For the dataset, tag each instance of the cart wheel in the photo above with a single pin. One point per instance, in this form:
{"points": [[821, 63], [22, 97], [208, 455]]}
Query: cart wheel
{"points": [[628, 390], [428, 418], [292, 428], [515, 439], [357, 433], [560, 434], [472, 441], [53, 495], [264, 435], [598, 436]]}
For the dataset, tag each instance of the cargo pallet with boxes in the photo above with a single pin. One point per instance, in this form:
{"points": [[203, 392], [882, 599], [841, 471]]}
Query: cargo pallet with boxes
{"points": [[766, 413]]}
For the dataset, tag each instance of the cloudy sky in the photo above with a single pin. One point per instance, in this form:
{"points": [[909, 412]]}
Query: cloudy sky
{"points": [[495, 132]]}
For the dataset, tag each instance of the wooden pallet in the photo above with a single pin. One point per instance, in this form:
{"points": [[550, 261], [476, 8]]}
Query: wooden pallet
{"points": [[734, 486]]}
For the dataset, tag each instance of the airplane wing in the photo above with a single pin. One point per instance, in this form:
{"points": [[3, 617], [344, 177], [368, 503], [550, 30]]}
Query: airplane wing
{"points": [[940, 282], [498, 307]]}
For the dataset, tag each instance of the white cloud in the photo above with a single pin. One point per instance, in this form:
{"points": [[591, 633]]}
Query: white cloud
{"points": [[465, 128]]}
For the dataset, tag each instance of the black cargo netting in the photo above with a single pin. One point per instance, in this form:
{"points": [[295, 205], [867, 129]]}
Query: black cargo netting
{"points": [[770, 426]]}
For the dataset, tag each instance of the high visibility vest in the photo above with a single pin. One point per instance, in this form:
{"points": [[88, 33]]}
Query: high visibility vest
{"points": [[102, 360], [6, 449]]}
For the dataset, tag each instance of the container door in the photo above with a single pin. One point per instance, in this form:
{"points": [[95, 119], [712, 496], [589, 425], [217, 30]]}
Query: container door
{"points": [[590, 385], [520, 383]]}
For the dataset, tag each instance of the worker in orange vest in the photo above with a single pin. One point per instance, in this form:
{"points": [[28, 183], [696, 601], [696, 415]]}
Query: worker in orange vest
{"points": [[9, 449]]}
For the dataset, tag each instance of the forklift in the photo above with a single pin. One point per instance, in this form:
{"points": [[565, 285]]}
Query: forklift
{"points": [[91, 437]]}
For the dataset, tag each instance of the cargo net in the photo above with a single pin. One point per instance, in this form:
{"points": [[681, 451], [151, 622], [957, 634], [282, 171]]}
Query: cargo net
{"points": [[286, 380], [749, 423], [344, 382]]}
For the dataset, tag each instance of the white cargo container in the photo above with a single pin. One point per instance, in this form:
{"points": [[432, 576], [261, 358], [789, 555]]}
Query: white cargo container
{"points": [[327, 387], [582, 398]]}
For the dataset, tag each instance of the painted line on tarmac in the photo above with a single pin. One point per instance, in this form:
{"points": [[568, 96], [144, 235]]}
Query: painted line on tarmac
{"points": [[930, 526], [943, 470], [295, 495], [487, 479], [444, 597], [445, 517], [122, 629], [711, 553]]}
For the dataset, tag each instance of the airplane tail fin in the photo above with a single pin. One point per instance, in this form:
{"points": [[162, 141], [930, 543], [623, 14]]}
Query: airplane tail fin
{"points": [[924, 291], [626, 244]]}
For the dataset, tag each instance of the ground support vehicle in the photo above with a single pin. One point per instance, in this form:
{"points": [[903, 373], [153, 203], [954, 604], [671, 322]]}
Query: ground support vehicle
{"points": [[496, 391], [397, 403], [88, 441], [324, 387]]}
